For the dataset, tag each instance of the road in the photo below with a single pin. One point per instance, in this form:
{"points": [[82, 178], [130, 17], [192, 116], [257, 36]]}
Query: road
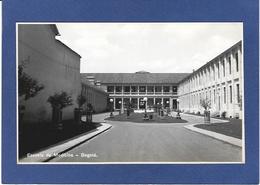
{"points": [[151, 142]]}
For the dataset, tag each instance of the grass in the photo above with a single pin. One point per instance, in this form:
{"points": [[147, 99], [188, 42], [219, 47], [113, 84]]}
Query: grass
{"points": [[34, 137], [232, 128], [138, 118]]}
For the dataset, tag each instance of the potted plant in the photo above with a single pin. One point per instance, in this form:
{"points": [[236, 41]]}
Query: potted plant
{"points": [[78, 112], [205, 103], [58, 102]]}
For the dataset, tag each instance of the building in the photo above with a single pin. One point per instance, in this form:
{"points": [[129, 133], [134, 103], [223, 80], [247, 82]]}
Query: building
{"points": [[95, 96], [123, 88], [52, 64], [220, 81]]}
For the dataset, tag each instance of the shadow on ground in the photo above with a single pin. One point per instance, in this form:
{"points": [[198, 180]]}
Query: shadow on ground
{"points": [[34, 137]]}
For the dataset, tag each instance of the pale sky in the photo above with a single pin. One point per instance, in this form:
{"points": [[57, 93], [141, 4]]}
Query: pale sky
{"points": [[153, 47]]}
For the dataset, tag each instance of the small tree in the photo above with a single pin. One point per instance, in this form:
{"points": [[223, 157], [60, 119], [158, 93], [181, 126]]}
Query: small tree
{"points": [[206, 104], [27, 88], [59, 101]]}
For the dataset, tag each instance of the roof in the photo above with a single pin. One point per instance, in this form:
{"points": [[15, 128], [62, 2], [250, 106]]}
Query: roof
{"points": [[139, 78]]}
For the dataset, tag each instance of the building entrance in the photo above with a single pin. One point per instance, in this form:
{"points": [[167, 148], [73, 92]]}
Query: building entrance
{"points": [[141, 103]]}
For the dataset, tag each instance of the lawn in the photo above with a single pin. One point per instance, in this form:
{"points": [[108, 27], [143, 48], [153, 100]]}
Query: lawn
{"points": [[232, 128], [35, 137], [138, 118]]}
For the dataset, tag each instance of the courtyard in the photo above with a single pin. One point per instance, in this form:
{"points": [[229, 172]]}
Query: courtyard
{"points": [[163, 142]]}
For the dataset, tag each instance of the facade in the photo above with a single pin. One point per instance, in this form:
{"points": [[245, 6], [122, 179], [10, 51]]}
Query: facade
{"points": [[52, 64], [124, 88], [220, 81], [96, 96]]}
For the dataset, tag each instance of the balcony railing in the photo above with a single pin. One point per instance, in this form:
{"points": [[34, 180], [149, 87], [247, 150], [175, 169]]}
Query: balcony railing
{"points": [[144, 93]]}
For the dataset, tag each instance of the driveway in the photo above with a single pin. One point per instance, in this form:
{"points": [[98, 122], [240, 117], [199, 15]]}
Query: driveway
{"points": [[151, 142]]}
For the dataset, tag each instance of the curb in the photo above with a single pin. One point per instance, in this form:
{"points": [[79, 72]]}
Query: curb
{"points": [[52, 152], [222, 137]]}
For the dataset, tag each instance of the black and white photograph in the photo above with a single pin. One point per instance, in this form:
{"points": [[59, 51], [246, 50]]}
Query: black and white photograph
{"points": [[130, 93]]}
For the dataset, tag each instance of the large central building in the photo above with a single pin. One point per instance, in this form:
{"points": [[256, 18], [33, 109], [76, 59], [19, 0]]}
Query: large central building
{"points": [[123, 88], [219, 81]]}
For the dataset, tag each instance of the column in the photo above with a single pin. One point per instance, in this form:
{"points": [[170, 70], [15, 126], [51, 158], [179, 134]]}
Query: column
{"points": [[171, 99], [114, 103], [162, 102], [138, 100]]}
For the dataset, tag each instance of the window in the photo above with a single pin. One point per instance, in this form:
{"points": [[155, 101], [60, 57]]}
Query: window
{"points": [[127, 89], [213, 70], [142, 89], [229, 62], [238, 94], [133, 89], [237, 62], [218, 69], [174, 89], [118, 89], [224, 92], [158, 89], [223, 65], [110, 89], [214, 96], [166, 89], [230, 93], [150, 89]]}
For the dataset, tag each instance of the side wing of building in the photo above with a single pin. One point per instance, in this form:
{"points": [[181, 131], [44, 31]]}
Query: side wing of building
{"points": [[220, 81]]}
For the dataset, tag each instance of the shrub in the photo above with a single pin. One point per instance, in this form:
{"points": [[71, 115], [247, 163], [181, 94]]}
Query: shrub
{"points": [[223, 114]]}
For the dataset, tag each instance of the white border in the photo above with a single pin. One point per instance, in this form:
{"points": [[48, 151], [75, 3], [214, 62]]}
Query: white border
{"points": [[107, 163]]}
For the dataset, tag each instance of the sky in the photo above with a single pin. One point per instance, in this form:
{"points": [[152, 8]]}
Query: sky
{"points": [[152, 47]]}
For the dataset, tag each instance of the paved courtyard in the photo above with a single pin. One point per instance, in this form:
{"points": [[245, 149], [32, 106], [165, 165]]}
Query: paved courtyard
{"points": [[146, 142]]}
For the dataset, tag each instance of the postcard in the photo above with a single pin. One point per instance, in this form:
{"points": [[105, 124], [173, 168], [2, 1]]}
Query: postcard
{"points": [[107, 92]]}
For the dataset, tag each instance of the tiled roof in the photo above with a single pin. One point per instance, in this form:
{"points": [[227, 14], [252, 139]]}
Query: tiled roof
{"points": [[141, 78]]}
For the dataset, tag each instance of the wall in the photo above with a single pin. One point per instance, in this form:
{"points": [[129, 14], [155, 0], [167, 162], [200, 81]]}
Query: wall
{"points": [[51, 64]]}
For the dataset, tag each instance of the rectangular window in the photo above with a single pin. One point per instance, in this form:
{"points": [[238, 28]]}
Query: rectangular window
{"points": [[229, 62], [166, 89], [218, 70], [110, 89], [118, 89], [225, 100], [158, 89], [214, 96], [174, 89], [238, 94], [142, 89], [126, 89], [133, 89], [237, 67], [230, 93], [150, 89], [223, 65]]}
